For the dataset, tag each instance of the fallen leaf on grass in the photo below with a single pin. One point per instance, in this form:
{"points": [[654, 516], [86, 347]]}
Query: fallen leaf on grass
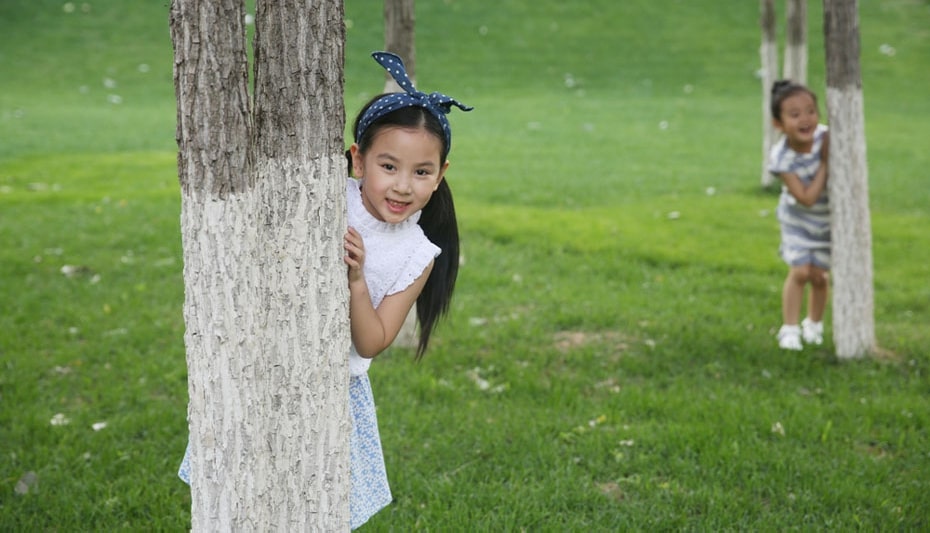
{"points": [[480, 382], [778, 429], [29, 482], [73, 271], [611, 489]]}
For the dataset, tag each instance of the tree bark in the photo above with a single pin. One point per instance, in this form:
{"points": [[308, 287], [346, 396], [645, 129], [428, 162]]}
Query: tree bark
{"points": [[768, 52], [853, 300], [266, 301], [399, 25], [795, 67]]}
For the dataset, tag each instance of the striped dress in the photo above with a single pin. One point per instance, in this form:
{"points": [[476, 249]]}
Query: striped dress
{"points": [[805, 231]]}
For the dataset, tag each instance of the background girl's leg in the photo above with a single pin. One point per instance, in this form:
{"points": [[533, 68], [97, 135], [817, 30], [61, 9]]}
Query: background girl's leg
{"points": [[812, 326], [793, 294], [820, 283], [789, 336]]}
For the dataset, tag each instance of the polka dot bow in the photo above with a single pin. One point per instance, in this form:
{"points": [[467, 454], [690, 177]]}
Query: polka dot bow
{"points": [[436, 103]]}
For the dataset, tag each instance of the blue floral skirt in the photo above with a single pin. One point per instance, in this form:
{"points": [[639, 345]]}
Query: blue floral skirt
{"points": [[370, 491]]}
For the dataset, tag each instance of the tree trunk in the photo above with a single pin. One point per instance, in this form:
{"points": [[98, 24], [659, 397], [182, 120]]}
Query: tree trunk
{"points": [[853, 304], [266, 300], [399, 24], [796, 41], [769, 71]]}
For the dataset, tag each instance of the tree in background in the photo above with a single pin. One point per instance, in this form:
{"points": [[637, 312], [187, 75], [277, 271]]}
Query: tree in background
{"points": [[399, 25], [795, 67], [853, 291], [796, 41], [768, 52], [266, 301]]}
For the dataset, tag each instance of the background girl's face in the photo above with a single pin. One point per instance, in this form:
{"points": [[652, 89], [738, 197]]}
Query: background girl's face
{"points": [[401, 170], [799, 119]]}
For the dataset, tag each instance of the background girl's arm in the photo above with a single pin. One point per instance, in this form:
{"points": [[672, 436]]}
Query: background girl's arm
{"points": [[807, 195], [373, 330]]}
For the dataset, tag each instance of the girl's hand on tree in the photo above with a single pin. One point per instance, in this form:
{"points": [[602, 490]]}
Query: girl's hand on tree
{"points": [[355, 254]]}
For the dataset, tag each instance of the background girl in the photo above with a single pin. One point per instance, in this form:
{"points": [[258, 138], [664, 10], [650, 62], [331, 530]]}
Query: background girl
{"points": [[800, 160]]}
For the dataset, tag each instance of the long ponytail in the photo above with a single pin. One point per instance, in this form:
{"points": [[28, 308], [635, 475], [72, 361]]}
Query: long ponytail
{"points": [[439, 225]]}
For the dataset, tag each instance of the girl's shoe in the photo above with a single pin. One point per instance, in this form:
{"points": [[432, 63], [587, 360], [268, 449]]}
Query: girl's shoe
{"points": [[812, 332], [789, 338]]}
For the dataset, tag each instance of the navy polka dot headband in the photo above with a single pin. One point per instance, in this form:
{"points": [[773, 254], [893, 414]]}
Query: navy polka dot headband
{"points": [[436, 103]]}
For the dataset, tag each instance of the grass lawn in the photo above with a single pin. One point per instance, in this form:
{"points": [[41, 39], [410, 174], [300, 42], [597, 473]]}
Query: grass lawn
{"points": [[609, 363]]}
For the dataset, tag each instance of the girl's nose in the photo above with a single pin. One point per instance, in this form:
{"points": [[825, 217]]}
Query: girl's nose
{"points": [[404, 183]]}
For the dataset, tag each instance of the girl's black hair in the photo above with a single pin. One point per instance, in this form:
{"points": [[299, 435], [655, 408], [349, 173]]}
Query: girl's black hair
{"points": [[437, 219], [782, 89]]}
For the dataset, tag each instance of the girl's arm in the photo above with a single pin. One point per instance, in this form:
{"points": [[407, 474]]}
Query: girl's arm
{"points": [[373, 330], [807, 195]]}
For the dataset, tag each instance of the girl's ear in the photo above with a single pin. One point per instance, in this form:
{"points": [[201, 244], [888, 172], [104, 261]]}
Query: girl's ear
{"points": [[442, 174], [357, 166], [777, 124]]}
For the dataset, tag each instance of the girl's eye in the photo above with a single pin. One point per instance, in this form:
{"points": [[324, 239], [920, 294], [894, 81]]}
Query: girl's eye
{"points": [[387, 166]]}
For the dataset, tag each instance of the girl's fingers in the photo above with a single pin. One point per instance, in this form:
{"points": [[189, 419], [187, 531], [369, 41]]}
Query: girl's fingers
{"points": [[354, 256]]}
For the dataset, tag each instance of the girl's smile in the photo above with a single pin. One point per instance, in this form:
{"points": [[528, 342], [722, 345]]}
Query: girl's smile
{"points": [[799, 118], [401, 169]]}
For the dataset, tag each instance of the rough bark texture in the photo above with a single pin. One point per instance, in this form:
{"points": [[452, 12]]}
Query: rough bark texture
{"points": [[399, 24], [796, 41], [841, 38], [211, 81], [853, 292], [768, 53], [262, 216], [299, 78]]}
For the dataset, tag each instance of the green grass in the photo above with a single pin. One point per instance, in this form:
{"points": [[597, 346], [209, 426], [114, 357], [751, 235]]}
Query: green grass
{"points": [[607, 365]]}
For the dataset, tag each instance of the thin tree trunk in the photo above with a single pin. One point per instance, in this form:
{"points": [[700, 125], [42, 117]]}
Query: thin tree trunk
{"points": [[768, 52], [399, 25], [853, 299], [262, 215], [796, 41], [399, 38]]}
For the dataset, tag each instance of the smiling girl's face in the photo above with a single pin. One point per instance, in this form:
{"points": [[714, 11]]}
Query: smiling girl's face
{"points": [[401, 170], [798, 121]]}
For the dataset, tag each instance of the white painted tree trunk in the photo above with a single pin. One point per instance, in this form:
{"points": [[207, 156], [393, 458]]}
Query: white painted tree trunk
{"points": [[852, 276], [266, 299], [768, 53], [795, 67], [266, 351]]}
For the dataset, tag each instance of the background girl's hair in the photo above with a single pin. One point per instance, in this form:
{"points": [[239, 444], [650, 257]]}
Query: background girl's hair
{"points": [[783, 89], [437, 218]]}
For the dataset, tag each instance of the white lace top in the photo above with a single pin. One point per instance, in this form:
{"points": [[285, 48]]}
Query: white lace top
{"points": [[395, 256]]}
